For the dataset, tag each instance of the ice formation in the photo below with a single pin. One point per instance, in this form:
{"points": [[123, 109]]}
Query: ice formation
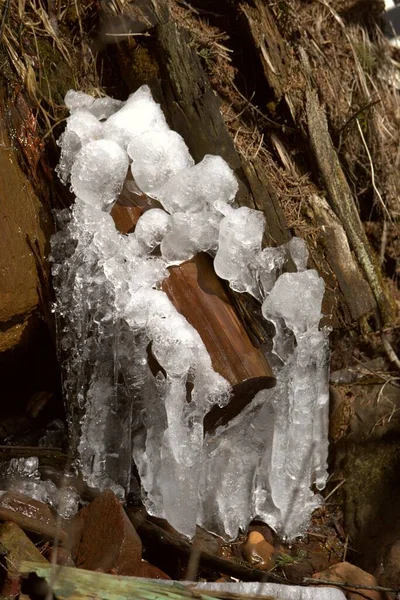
{"points": [[275, 590], [22, 475], [113, 316]]}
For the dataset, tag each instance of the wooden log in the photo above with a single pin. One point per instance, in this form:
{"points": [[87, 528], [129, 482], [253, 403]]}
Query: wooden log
{"points": [[130, 205], [343, 204], [200, 296]]}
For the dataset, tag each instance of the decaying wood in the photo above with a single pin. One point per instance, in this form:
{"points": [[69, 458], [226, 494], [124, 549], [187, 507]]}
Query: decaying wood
{"points": [[336, 248], [342, 201], [200, 296], [280, 67]]}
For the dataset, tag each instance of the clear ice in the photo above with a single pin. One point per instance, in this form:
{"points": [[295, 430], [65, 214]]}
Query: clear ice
{"points": [[22, 475], [114, 322]]}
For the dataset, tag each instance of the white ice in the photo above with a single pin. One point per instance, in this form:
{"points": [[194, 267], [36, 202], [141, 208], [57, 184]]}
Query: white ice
{"points": [[273, 590], [140, 114], [138, 377], [93, 179], [22, 475], [156, 157], [192, 189]]}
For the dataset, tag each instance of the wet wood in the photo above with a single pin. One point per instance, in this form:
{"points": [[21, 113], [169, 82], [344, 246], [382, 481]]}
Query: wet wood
{"points": [[200, 296], [152, 534]]}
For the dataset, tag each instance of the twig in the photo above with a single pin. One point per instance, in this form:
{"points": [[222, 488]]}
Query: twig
{"points": [[355, 586], [259, 112], [335, 489], [346, 545], [391, 379], [384, 238], [372, 170], [391, 354], [152, 532], [359, 111], [128, 34]]}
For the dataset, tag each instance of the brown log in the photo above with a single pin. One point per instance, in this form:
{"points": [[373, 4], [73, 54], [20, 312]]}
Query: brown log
{"points": [[200, 296]]}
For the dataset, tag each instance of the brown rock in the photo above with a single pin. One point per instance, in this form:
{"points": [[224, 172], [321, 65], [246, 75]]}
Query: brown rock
{"points": [[145, 569], [344, 572], [109, 541], [16, 547], [389, 571], [257, 551], [30, 514], [59, 555], [26, 224], [74, 529]]}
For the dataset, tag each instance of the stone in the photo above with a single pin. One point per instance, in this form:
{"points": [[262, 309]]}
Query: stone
{"points": [[26, 225], [16, 547], [31, 515], [145, 569], [388, 573], [345, 572], [257, 551], [62, 556], [109, 541], [74, 529]]}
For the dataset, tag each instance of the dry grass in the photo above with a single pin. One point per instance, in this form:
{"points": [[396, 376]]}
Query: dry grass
{"points": [[48, 52], [358, 82]]}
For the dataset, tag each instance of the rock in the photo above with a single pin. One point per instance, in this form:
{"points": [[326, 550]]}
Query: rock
{"points": [[266, 531], [62, 556], [26, 226], [145, 569], [74, 529], [388, 573], [16, 547], [344, 572], [109, 541], [257, 551], [31, 515]]}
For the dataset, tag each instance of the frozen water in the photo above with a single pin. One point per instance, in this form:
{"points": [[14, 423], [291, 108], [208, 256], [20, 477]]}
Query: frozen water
{"points": [[156, 157], [191, 190], [23, 467], [98, 172], [273, 590], [299, 253], [82, 127], [101, 108], [239, 245], [22, 475], [138, 115], [153, 225], [296, 298], [189, 234], [269, 591], [137, 377]]}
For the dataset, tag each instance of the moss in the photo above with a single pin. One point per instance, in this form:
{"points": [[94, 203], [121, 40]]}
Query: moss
{"points": [[56, 75], [144, 66], [371, 474]]}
